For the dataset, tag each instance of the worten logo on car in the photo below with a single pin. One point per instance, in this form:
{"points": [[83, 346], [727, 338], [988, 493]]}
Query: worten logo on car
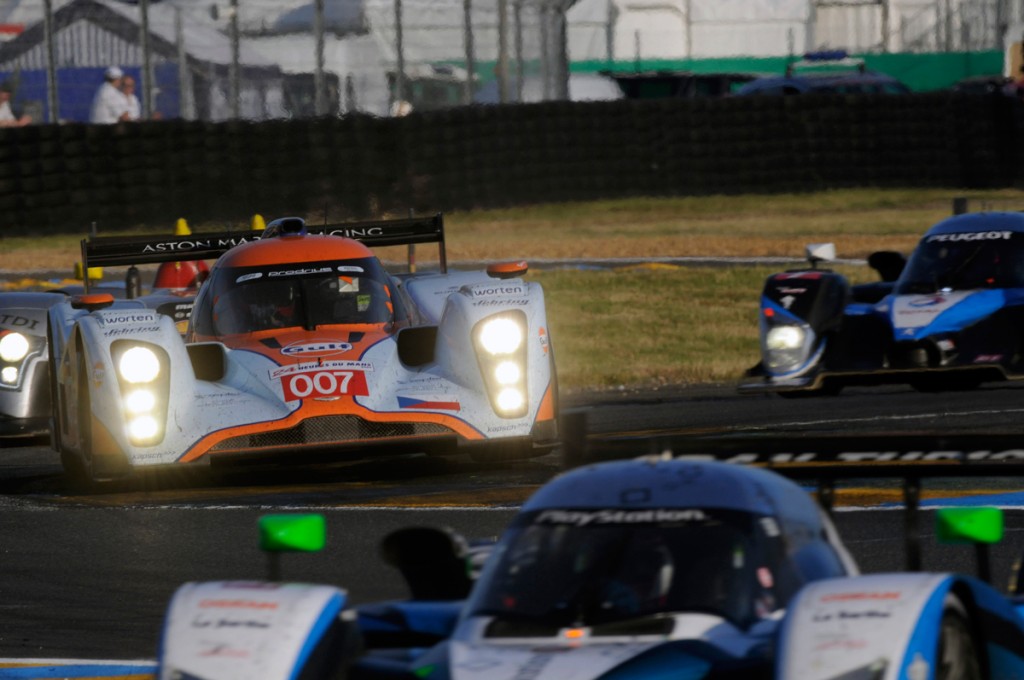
{"points": [[490, 290], [324, 348], [120, 318]]}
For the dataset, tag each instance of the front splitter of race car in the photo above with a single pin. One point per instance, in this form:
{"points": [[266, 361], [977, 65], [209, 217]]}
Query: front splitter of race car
{"points": [[23, 427], [946, 377], [302, 442]]}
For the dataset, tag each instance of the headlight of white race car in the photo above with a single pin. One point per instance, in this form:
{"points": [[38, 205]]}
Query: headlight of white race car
{"points": [[500, 342], [138, 365], [142, 373]]}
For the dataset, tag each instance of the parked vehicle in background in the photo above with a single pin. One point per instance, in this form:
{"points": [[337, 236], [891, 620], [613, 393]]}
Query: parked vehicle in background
{"points": [[678, 84], [582, 87], [831, 72]]}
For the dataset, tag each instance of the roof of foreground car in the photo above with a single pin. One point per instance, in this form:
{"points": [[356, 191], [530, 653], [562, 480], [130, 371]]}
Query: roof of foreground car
{"points": [[675, 483], [979, 222]]}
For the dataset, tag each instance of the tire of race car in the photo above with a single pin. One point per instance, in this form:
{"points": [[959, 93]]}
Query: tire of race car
{"points": [[957, 657], [55, 419], [79, 468]]}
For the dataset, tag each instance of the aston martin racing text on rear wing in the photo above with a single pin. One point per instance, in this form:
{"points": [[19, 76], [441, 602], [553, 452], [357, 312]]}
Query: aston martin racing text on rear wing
{"points": [[134, 250], [112, 251], [398, 232]]}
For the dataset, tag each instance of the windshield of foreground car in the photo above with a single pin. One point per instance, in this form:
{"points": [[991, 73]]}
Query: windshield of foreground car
{"points": [[249, 299], [968, 261], [593, 567]]}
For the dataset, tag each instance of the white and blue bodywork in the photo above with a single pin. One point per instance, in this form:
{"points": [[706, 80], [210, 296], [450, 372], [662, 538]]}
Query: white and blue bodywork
{"points": [[649, 569], [25, 406], [951, 318]]}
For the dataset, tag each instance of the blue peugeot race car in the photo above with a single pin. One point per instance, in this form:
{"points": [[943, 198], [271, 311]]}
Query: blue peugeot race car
{"points": [[952, 317], [644, 569]]}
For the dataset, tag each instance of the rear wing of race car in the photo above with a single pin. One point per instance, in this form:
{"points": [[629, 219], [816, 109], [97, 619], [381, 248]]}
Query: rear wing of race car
{"points": [[821, 460], [397, 232], [111, 251]]}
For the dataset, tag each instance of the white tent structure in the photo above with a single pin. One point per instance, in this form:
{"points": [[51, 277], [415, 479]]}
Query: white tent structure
{"points": [[681, 29]]}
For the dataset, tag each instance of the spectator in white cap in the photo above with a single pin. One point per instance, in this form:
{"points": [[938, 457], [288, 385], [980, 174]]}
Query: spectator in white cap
{"points": [[109, 105], [7, 117]]}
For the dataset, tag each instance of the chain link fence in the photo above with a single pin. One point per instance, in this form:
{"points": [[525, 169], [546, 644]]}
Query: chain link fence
{"points": [[216, 60], [265, 59]]}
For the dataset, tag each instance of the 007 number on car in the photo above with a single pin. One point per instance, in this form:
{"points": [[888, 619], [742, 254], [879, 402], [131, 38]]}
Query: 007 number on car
{"points": [[324, 384]]}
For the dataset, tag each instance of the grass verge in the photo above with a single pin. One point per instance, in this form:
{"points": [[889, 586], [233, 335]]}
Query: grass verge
{"points": [[647, 326]]}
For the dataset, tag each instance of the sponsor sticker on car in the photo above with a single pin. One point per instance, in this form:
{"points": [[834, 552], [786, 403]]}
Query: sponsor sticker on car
{"points": [[324, 383]]}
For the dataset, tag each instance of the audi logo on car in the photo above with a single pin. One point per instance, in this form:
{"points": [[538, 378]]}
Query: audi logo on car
{"points": [[316, 349]]}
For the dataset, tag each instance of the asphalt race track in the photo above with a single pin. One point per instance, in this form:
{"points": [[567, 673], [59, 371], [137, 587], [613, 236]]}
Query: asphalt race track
{"points": [[87, 575]]}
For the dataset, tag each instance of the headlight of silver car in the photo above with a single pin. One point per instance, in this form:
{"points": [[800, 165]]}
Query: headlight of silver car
{"points": [[500, 342], [15, 350], [13, 347]]}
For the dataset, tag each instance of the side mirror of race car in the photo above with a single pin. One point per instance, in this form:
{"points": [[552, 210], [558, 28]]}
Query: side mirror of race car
{"points": [[290, 533], [978, 526], [434, 562], [820, 252], [416, 345], [889, 264]]}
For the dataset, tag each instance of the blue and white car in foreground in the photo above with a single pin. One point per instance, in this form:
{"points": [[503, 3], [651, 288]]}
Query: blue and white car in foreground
{"points": [[641, 569], [951, 318]]}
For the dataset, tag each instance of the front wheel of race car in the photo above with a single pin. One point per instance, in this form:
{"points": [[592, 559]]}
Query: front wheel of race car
{"points": [[957, 657], [51, 369], [77, 468]]}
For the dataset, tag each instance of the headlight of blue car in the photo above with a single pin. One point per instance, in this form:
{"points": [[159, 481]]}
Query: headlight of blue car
{"points": [[785, 346]]}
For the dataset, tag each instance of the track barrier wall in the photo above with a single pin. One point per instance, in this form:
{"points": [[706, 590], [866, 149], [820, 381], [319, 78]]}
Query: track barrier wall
{"points": [[63, 178]]}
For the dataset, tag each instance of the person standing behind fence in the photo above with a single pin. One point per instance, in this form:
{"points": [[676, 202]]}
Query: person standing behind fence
{"points": [[7, 117], [109, 105], [134, 107]]}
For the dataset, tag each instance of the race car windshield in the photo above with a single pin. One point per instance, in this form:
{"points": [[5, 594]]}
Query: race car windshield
{"points": [[249, 299], [594, 567], [968, 261]]}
